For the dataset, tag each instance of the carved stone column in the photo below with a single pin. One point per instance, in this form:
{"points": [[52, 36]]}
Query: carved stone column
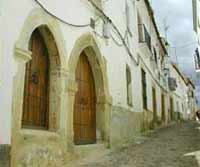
{"points": [[57, 99], [71, 91], [104, 105], [22, 57]]}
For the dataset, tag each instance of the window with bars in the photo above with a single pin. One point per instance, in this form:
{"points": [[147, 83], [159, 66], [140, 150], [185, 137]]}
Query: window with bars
{"points": [[144, 89]]}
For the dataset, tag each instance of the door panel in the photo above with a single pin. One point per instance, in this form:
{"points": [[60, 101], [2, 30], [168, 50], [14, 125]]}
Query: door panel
{"points": [[154, 104], [171, 108], [163, 106], [85, 104], [35, 107]]}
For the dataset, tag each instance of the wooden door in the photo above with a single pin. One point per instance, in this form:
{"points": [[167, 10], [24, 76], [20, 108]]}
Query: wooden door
{"points": [[85, 104], [171, 108], [154, 104], [163, 106], [35, 107]]}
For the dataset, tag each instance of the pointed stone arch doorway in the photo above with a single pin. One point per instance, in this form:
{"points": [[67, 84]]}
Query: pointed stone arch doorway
{"points": [[85, 104], [39, 44], [36, 89], [96, 119]]}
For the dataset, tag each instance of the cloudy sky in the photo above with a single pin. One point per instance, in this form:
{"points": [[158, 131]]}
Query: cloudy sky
{"points": [[177, 16]]}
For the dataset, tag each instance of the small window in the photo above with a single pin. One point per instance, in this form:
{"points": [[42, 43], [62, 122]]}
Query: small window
{"points": [[155, 55], [147, 38], [144, 89], [129, 86], [192, 94], [140, 28]]}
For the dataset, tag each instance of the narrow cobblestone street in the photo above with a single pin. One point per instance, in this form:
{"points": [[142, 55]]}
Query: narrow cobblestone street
{"points": [[174, 146]]}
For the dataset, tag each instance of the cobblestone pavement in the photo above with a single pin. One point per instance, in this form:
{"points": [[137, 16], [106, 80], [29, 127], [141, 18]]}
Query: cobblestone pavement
{"points": [[175, 146]]}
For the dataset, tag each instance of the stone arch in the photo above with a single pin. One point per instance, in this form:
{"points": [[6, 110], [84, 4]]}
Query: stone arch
{"points": [[51, 33], [88, 44], [38, 18]]}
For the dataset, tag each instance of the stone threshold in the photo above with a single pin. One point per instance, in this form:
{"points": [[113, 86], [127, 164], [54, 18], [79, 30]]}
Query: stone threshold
{"points": [[88, 153]]}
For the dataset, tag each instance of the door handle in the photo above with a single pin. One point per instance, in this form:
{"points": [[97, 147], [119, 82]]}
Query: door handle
{"points": [[34, 78]]}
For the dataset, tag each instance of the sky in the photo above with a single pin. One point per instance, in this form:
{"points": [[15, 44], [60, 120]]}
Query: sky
{"points": [[177, 16]]}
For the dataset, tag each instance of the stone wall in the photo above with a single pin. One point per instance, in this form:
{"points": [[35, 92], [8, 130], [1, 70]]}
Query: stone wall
{"points": [[4, 156], [126, 125]]}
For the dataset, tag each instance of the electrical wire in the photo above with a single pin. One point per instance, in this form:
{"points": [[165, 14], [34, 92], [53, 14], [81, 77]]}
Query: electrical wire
{"points": [[99, 35], [117, 31], [86, 25], [115, 41], [63, 21]]}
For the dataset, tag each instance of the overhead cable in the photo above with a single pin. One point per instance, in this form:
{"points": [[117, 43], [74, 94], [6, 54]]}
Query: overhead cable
{"points": [[116, 29], [58, 18]]}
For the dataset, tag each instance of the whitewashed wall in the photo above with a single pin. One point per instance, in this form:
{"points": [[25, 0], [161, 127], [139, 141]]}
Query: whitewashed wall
{"points": [[180, 95], [14, 15]]}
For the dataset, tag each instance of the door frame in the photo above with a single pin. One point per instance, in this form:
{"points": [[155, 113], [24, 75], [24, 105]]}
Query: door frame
{"points": [[88, 44], [171, 108], [27, 88], [154, 103], [53, 38], [91, 118], [163, 107]]}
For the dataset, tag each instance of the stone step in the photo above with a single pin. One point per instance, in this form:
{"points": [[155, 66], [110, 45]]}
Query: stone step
{"points": [[88, 153]]}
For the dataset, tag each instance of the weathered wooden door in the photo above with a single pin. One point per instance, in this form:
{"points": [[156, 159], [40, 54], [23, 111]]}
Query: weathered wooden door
{"points": [[171, 108], [163, 106], [85, 104], [154, 104], [35, 107]]}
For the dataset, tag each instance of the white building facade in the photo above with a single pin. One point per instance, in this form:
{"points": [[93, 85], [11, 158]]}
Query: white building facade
{"points": [[182, 100]]}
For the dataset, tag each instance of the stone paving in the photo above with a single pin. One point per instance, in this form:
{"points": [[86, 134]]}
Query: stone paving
{"points": [[175, 146]]}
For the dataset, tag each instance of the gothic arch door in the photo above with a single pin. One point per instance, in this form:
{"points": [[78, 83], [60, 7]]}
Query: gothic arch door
{"points": [[35, 106], [85, 104]]}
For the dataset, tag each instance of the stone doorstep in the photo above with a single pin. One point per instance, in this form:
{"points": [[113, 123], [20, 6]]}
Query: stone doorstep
{"points": [[88, 153]]}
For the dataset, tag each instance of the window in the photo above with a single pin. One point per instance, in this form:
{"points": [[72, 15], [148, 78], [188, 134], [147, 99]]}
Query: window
{"points": [[155, 55], [129, 86], [140, 29], [147, 37], [143, 34], [144, 89], [192, 94]]}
